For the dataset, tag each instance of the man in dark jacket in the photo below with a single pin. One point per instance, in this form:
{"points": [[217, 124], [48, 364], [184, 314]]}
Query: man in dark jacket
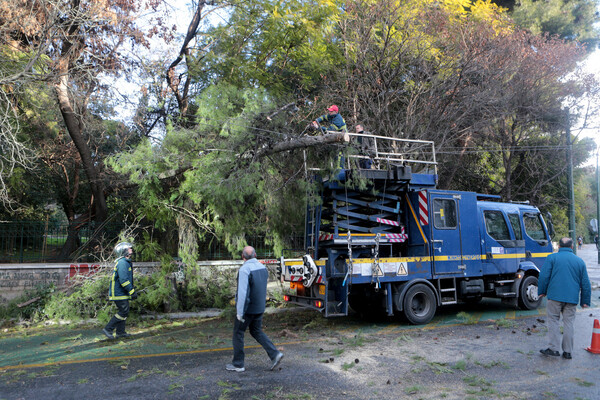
{"points": [[564, 280], [332, 121], [366, 147], [121, 290], [250, 302]]}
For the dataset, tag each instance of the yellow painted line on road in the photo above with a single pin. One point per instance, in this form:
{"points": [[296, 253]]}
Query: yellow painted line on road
{"points": [[176, 353]]}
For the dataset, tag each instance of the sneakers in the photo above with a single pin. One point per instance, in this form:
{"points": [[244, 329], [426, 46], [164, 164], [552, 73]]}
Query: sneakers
{"points": [[550, 352], [107, 333], [277, 360], [231, 367], [567, 356]]}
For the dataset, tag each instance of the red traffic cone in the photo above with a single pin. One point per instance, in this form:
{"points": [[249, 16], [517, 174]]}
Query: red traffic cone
{"points": [[595, 346]]}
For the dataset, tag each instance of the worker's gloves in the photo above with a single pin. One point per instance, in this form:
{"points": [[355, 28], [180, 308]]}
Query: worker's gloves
{"points": [[241, 318], [134, 295]]}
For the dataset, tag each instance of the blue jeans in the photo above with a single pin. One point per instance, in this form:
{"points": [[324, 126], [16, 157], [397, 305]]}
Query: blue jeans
{"points": [[254, 322]]}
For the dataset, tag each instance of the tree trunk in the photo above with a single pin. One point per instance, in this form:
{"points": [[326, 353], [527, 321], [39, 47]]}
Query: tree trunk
{"points": [[74, 127], [304, 142]]}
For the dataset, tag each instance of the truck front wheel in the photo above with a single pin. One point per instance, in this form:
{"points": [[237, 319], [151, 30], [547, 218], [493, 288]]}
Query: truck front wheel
{"points": [[419, 304], [528, 293]]}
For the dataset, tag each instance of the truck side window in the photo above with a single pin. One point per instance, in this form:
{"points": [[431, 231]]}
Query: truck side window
{"points": [[516, 225], [444, 214], [495, 224], [533, 226]]}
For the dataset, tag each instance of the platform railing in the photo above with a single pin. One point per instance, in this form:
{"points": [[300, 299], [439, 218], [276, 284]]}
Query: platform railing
{"points": [[383, 150]]}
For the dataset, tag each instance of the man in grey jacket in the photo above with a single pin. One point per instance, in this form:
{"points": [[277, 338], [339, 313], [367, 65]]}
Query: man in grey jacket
{"points": [[250, 302]]}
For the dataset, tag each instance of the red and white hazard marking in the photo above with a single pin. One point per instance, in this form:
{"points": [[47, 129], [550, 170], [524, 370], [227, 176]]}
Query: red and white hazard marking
{"points": [[423, 213], [387, 222], [397, 237], [325, 237]]}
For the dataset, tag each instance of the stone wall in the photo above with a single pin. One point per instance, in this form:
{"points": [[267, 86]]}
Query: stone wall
{"points": [[16, 279]]}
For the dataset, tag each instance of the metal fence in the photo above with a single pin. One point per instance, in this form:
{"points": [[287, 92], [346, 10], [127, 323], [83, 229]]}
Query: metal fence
{"points": [[42, 242]]}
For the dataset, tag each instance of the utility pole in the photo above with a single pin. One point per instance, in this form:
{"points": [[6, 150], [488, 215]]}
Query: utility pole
{"points": [[597, 202], [572, 230]]}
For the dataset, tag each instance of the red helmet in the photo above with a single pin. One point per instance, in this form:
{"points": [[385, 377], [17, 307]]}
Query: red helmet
{"points": [[333, 108]]}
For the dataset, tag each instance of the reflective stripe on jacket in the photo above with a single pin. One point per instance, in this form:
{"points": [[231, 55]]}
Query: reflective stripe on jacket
{"points": [[121, 284], [336, 122]]}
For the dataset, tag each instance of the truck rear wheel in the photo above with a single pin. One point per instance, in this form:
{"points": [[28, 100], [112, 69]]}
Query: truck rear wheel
{"points": [[528, 293], [419, 304]]}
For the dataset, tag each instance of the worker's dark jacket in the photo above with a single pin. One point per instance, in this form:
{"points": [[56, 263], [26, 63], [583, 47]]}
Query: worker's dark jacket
{"points": [[336, 122], [121, 284]]}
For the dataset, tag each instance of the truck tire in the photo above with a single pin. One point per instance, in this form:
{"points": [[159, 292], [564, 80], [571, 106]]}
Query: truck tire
{"points": [[528, 297], [419, 304]]}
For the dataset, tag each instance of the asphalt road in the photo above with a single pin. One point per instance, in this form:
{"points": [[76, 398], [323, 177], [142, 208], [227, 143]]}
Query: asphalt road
{"points": [[589, 254], [483, 351]]}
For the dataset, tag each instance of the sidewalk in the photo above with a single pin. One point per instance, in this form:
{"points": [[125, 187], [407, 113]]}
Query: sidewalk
{"points": [[589, 254]]}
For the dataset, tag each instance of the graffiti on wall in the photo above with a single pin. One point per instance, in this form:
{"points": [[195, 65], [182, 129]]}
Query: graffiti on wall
{"points": [[15, 281]]}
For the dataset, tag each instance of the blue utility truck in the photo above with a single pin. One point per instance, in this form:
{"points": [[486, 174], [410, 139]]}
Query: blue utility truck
{"points": [[400, 246]]}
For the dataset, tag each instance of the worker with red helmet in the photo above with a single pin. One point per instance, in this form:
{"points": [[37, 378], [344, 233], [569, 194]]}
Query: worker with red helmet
{"points": [[332, 121]]}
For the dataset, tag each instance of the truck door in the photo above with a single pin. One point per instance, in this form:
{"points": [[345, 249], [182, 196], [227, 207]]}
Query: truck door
{"points": [[501, 250], [537, 242], [446, 234]]}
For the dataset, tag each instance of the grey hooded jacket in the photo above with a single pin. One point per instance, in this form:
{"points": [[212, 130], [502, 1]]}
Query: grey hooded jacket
{"points": [[252, 288]]}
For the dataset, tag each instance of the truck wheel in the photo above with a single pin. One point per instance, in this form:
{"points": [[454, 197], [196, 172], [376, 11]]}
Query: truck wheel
{"points": [[419, 304], [528, 293]]}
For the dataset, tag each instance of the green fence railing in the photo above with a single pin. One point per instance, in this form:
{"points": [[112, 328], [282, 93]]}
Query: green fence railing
{"points": [[42, 242]]}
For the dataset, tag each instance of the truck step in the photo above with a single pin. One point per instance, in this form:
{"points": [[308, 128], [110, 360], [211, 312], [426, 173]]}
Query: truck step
{"points": [[507, 294], [448, 290], [336, 315], [450, 301]]}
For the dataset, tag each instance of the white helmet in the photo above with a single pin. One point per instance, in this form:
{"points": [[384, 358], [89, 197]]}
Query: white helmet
{"points": [[121, 249]]}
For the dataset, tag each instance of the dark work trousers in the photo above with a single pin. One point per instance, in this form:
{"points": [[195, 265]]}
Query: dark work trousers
{"points": [[254, 321], [118, 320]]}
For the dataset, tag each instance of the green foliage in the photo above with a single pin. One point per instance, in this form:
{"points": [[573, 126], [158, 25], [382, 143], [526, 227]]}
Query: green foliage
{"points": [[283, 46], [570, 19], [88, 298], [34, 310], [209, 287]]}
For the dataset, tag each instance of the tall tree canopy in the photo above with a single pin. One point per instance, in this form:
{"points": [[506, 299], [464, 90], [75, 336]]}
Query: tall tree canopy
{"points": [[457, 72], [569, 19], [221, 126]]}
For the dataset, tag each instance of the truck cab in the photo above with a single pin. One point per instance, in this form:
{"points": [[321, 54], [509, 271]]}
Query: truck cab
{"points": [[400, 246]]}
